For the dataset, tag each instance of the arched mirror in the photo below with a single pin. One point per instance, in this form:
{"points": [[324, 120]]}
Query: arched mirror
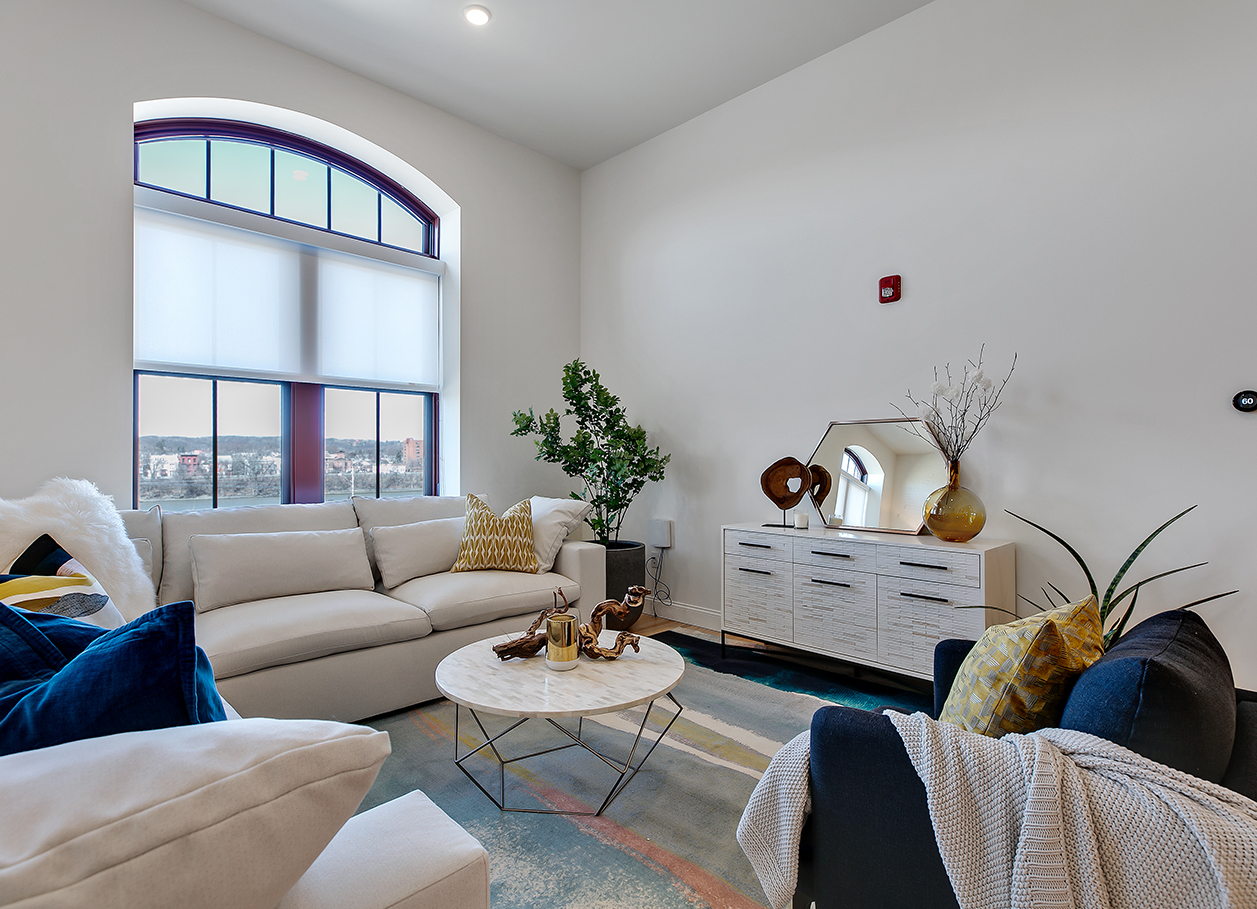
{"points": [[874, 475]]}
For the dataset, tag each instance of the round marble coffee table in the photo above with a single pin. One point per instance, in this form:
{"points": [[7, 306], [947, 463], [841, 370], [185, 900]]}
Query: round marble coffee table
{"points": [[474, 678]]}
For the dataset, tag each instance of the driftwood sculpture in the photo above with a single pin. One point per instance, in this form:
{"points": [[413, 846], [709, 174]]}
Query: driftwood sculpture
{"points": [[534, 641]]}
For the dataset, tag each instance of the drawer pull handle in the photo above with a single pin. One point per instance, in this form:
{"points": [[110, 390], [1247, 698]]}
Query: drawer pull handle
{"points": [[755, 545], [758, 571], [921, 596], [923, 565], [832, 555], [829, 583]]}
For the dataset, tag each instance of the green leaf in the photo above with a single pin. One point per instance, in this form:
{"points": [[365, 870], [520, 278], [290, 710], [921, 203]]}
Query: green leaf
{"points": [[1064, 599], [996, 609], [1116, 632], [1070, 549], [1216, 596], [1105, 605], [1134, 587]]}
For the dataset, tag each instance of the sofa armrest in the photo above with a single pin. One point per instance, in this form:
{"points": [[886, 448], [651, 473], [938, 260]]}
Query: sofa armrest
{"points": [[948, 655], [586, 564], [869, 819], [404, 854]]}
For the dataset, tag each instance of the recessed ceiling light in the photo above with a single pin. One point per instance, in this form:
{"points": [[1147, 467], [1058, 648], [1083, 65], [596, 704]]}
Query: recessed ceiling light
{"points": [[477, 15]]}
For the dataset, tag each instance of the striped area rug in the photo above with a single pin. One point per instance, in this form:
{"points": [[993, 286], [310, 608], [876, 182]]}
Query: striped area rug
{"points": [[667, 841]]}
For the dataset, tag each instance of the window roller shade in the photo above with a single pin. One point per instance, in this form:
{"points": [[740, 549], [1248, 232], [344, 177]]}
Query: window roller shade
{"points": [[213, 297]]}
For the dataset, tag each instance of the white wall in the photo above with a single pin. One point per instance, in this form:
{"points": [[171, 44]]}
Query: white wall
{"points": [[69, 75], [1073, 181]]}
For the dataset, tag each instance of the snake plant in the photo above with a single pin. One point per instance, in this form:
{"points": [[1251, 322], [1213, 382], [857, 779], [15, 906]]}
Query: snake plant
{"points": [[1112, 598]]}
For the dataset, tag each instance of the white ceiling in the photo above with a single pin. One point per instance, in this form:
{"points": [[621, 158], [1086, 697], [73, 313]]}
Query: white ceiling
{"points": [[578, 80]]}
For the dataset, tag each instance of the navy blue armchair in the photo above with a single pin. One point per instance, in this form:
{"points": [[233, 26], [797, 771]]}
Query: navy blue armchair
{"points": [[1164, 690]]}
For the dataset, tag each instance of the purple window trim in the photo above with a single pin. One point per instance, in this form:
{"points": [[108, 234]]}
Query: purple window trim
{"points": [[203, 127]]}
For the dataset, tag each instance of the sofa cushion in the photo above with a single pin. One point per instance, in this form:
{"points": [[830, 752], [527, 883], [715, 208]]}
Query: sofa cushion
{"points": [[234, 568], [251, 636], [473, 597], [146, 525], [46, 578], [404, 510], [410, 550], [199, 817], [148, 674], [1241, 773], [1016, 678], [452, 871], [1164, 690], [491, 542], [552, 521], [179, 526]]}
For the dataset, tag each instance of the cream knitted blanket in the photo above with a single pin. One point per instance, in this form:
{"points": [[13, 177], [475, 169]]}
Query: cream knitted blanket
{"points": [[773, 820], [1052, 819]]}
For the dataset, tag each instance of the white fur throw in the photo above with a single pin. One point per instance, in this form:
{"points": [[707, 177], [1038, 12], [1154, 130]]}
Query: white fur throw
{"points": [[87, 525]]}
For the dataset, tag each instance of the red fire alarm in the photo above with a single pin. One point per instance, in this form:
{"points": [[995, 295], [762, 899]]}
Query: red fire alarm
{"points": [[889, 289]]}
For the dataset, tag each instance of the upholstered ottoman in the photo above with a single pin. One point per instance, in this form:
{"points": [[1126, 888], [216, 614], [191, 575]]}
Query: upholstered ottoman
{"points": [[417, 856]]}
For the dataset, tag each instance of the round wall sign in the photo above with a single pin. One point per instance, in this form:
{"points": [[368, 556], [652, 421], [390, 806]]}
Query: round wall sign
{"points": [[1245, 401]]}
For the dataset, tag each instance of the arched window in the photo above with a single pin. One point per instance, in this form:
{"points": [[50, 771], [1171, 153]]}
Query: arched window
{"points": [[851, 496], [287, 320], [853, 466], [283, 176]]}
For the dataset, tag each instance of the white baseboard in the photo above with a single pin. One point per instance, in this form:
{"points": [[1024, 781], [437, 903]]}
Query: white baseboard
{"points": [[689, 615]]}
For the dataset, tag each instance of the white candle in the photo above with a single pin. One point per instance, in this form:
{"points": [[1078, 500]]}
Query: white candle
{"points": [[800, 520]]}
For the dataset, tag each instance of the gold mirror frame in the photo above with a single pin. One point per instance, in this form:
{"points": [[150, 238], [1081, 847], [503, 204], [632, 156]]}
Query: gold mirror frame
{"points": [[908, 469]]}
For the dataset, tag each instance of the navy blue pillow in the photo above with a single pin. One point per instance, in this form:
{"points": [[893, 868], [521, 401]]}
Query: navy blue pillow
{"points": [[148, 674], [1164, 690], [68, 635]]}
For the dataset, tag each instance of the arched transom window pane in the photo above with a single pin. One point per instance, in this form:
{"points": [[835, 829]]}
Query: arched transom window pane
{"points": [[282, 176]]}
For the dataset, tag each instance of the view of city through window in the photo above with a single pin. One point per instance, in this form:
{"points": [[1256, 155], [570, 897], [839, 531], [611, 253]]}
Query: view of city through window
{"points": [[177, 466]]}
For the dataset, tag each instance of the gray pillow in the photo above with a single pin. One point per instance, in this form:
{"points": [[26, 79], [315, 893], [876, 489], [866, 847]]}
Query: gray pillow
{"points": [[403, 510], [409, 551], [232, 568]]}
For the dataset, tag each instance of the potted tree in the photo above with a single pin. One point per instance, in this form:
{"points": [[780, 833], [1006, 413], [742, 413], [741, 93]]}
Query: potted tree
{"points": [[610, 457]]}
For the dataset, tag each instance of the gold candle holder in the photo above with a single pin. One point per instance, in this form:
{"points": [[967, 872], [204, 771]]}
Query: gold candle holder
{"points": [[562, 642]]}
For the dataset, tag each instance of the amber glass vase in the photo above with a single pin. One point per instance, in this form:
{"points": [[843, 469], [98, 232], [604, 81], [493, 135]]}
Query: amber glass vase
{"points": [[952, 512]]}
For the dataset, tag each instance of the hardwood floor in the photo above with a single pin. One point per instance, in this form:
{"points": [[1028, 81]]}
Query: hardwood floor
{"points": [[650, 624]]}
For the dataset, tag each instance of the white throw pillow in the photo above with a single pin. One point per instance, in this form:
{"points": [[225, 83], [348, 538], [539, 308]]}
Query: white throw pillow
{"points": [[232, 568], [409, 551], [552, 521], [199, 817]]}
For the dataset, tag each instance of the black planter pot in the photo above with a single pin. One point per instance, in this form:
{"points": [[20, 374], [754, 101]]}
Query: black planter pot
{"points": [[626, 567]]}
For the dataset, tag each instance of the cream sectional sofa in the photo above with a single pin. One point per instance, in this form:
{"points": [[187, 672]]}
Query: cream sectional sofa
{"points": [[298, 625]]}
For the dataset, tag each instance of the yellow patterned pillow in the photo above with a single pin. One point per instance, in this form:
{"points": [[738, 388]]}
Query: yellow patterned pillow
{"points": [[1018, 675], [493, 542]]}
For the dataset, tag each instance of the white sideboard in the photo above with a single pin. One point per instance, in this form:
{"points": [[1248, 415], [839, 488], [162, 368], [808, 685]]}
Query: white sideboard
{"points": [[881, 600]]}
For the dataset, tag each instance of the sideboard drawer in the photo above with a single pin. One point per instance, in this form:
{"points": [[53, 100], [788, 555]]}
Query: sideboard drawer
{"points": [[836, 611], [757, 545], [824, 553], [947, 566], [758, 599], [915, 615]]}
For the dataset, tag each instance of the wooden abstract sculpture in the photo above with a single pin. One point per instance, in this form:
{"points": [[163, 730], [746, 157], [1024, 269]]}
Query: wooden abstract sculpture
{"points": [[775, 481], [534, 641], [822, 483]]}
